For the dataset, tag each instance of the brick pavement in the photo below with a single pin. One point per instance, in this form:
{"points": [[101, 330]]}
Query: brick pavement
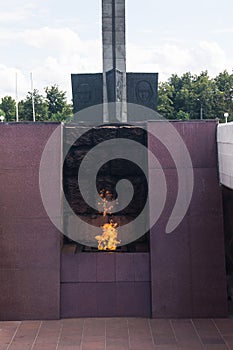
{"points": [[117, 334]]}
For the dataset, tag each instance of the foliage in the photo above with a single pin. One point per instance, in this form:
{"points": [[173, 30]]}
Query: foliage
{"points": [[8, 106], [2, 113], [184, 97], [40, 105], [192, 96], [58, 109], [52, 107]]}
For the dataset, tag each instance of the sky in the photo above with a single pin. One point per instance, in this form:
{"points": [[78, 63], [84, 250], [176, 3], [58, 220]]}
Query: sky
{"points": [[52, 39]]}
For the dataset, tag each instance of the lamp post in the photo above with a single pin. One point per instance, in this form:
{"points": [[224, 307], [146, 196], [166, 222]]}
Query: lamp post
{"points": [[226, 115], [201, 108]]}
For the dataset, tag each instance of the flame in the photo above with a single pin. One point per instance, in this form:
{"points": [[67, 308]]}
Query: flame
{"points": [[108, 240], [106, 197]]}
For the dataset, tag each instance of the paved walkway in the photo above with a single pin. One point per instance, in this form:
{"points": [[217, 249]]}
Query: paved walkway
{"points": [[117, 334]]}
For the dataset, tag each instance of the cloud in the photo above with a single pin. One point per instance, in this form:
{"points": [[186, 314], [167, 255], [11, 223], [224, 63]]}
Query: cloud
{"points": [[10, 16], [58, 42], [56, 39], [14, 11], [223, 31], [173, 58], [52, 54], [212, 57], [8, 76]]}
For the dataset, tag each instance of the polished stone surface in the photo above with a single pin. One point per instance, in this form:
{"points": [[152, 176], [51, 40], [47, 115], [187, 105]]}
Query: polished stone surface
{"points": [[188, 277], [118, 334], [30, 243]]}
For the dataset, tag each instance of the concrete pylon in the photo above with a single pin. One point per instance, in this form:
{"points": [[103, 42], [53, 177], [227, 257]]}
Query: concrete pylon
{"points": [[114, 61]]}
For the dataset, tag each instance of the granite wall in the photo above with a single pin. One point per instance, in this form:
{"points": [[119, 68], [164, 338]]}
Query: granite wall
{"points": [[29, 243], [188, 265], [183, 275]]}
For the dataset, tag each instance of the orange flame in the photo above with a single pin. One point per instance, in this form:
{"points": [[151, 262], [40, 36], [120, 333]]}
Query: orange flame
{"points": [[108, 240], [106, 202]]}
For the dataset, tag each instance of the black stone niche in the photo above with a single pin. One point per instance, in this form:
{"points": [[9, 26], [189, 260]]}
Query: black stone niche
{"points": [[107, 178]]}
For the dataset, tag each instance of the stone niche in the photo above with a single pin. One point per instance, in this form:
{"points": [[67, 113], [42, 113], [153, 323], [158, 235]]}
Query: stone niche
{"points": [[107, 178], [98, 283]]}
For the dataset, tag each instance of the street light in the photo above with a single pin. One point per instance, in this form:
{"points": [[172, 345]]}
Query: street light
{"points": [[201, 108], [226, 115], [2, 118]]}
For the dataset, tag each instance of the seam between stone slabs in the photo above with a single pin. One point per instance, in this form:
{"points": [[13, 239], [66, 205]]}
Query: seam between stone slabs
{"points": [[198, 335], [128, 333], [151, 333], [37, 333], [59, 337], [13, 335], [81, 343], [218, 330], [174, 333], [105, 334]]}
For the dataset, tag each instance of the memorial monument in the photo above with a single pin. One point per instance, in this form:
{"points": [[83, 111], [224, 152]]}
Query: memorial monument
{"points": [[180, 274], [114, 88]]}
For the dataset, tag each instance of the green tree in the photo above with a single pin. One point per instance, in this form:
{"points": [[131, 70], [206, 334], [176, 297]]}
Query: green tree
{"points": [[165, 100], [183, 96], [41, 108], [204, 91], [8, 105], [2, 113], [176, 97], [224, 100], [181, 115], [58, 108], [190, 97]]}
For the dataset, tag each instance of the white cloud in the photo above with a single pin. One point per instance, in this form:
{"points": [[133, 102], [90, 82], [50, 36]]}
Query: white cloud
{"points": [[52, 54], [223, 30], [10, 16], [8, 77], [14, 11], [170, 58], [52, 39]]}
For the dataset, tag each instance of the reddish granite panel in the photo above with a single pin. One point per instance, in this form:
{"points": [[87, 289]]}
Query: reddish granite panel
{"points": [[22, 145], [69, 268], [170, 271], [29, 294], [115, 299], [208, 272], [78, 300], [188, 266], [199, 138], [141, 267], [133, 299], [106, 268], [125, 267], [30, 244], [207, 196], [124, 292], [106, 299]]}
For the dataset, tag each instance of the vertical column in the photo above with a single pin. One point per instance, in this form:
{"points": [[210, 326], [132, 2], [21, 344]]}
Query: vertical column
{"points": [[114, 57], [113, 35]]}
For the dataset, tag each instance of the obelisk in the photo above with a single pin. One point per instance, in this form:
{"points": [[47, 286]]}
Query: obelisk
{"points": [[114, 61], [112, 89]]}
